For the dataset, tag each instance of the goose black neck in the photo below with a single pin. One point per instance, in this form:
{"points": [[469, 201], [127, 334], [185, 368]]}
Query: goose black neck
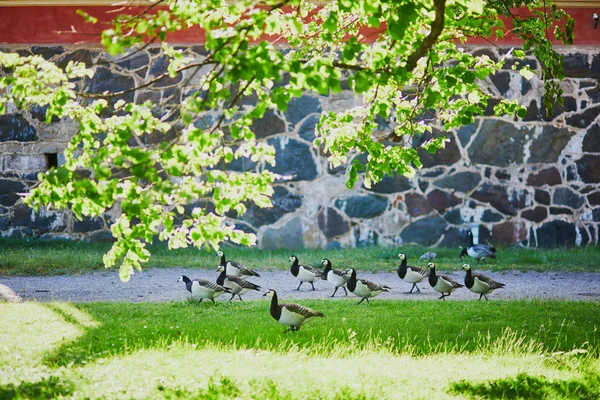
{"points": [[469, 281], [275, 311], [221, 278], [295, 267], [327, 267], [432, 277], [402, 269], [188, 282], [223, 262], [351, 284]]}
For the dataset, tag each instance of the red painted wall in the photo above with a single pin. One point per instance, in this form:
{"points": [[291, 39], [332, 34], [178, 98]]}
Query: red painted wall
{"points": [[61, 25]]}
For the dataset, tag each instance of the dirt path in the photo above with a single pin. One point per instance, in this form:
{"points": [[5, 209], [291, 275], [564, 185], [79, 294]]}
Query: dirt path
{"points": [[160, 285]]}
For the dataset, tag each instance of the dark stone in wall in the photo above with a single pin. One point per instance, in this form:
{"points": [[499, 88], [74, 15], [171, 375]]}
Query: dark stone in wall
{"points": [[300, 107], [283, 202], [549, 176], [425, 231], [16, 127], [332, 223], [509, 232], [488, 52], [583, 119], [3, 223], [461, 182], [464, 133], [47, 51], [591, 141], [497, 197], [289, 236], [423, 185], [454, 237], [454, 217], [596, 66], [549, 144], [537, 214], [490, 216], [594, 198], [447, 156], [159, 67], [362, 206], [77, 56], [441, 200], [417, 205], [566, 197], [38, 112], [308, 127], [577, 65], [135, 61], [542, 197], [9, 190], [88, 225], [293, 158], [502, 82], [432, 173], [588, 168], [529, 62], [25, 216], [596, 214], [105, 80], [525, 86], [270, 124], [503, 175], [391, 184], [556, 233], [498, 143], [560, 211], [361, 240]]}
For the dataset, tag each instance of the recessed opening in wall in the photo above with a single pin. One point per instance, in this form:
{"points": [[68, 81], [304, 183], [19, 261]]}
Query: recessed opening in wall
{"points": [[51, 160]]}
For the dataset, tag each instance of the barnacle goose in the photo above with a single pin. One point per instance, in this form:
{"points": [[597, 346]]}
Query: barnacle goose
{"points": [[235, 268], [337, 277], [290, 314], [480, 284], [441, 283], [363, 287], [202, 288], [237, 286], [305, 273], [410, 273], [477, 251]]}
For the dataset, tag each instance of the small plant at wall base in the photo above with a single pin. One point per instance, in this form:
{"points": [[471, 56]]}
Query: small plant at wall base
{"points": [[174, 171]]}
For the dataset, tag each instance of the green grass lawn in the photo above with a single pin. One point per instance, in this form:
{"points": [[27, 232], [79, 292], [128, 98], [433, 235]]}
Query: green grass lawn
{"points": [[388, 349], [37, 257]]}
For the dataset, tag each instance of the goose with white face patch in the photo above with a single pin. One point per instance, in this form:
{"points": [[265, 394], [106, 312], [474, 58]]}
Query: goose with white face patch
{"points": [[235, 268], [336, 277], [441, 283], [480, 284], [410, 273], [305, 273], [202, 288], [364, 288], [477, 251], [237, 286], [292, 315]]}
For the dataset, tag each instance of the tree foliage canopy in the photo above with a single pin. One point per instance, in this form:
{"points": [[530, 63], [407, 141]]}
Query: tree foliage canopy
{"points": [[412, 74]]}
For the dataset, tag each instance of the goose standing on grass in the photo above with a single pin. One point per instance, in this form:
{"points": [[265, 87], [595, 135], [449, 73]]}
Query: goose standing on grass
{"points": [[480, 284], [202, 288], [477, 251], [237, 286], [290, 314], [235, 268], [363, 287], [410, 273], [337, 277], [305, 273], [441, 283]]}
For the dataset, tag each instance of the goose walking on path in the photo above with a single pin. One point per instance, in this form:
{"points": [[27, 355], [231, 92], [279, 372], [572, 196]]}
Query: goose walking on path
{"points": [[202, 288], [363, 287], [235, 268], [480, 284], [290, 314], [337, 277], [237, 286], [441, 283], [305, 273], [477, 251], [410, 273]]}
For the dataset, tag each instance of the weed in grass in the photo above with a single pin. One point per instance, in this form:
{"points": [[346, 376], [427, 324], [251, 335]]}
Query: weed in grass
{"points": [[49, 388]]}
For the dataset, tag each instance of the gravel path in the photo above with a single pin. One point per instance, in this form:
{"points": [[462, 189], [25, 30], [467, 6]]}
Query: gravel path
{"points": [[160, 284]]}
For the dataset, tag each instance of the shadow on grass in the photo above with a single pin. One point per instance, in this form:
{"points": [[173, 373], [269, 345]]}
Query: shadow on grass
{"points": [[524, 386], [50, 388]]}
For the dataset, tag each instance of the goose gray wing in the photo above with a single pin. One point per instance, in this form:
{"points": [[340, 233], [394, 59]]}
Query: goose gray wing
{"points": [[418, 270], [451, 281], [492, 283], [243, 283], [301, 310], [341, 274], [211, 285], [483, 250], [314, 271], [374, 286]]}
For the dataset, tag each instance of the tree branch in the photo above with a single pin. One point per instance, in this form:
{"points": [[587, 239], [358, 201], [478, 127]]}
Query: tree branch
{"points": [[437, 26]]}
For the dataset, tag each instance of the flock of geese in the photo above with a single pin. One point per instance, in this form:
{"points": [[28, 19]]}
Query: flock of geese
{"points": [[233, 280]]}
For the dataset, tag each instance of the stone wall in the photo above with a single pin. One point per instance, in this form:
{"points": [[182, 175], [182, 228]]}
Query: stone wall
{"points": [[534, 182]]}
